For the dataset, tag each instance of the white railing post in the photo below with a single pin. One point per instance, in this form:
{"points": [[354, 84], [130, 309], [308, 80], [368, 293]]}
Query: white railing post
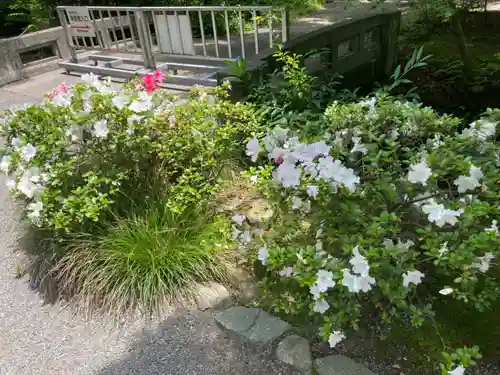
{"points": [[144, 39], [285, 26], [69, 38]]}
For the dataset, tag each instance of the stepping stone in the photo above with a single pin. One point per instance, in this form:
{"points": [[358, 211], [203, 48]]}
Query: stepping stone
{"points": [[340, 365], [295, 351], [209, 296], [255, 325]]}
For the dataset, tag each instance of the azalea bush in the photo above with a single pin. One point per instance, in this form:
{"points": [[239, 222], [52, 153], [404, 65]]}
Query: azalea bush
{"points": [[91, 148], [117, 183], [388, 211]]}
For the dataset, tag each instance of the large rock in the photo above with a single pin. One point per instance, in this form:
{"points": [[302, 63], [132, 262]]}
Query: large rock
{"points": [[260, 211], [212, 295], [255, 325], [340, 365], [295, 351]]}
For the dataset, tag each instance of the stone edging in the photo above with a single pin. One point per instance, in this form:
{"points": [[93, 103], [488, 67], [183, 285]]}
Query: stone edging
{"points": [[265, 330]]}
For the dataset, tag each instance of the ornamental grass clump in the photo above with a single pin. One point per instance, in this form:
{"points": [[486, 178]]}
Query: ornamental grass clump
{"points": [[91, 158], [148, 259], [389, 212]]}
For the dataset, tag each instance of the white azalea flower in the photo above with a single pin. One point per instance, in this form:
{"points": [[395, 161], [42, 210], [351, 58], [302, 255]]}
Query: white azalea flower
{"points": [[263, 254], [238, 219], [484, 262], [287, 175], [253, 149], [28, 152], [321, 306], [439, 215], [359, 263], [356, 283], [459, 370], [405, 245], [335, 338], [314, 291], [254, 179], [419, 173], [101, 129], [16, 142], [28, 183], [412, 277], [481, 129], [370, 103], [471, 182], [62, 100], [142, 104], [121, 100], [5, 163], [334, 171], [492, 228], [445, 291], [286, 272], [358, 146], [34, 211], [312, 191], [296, 203], [324, 280], [90, 79]]}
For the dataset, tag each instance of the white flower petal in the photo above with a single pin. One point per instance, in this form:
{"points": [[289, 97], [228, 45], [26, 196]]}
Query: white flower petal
{"points": [[412, 277], [335, 338], [446, 291], [419, 173], [321, 306]]}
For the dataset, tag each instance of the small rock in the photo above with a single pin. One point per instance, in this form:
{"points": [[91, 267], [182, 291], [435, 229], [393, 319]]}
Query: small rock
{"points": [[260, 211], [295, 351], [340, 365], [209, 296], [254, 324]]}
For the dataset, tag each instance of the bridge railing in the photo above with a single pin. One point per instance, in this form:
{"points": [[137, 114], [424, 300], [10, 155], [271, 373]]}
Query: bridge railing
{"points": [[362, 49], [217, 32]]}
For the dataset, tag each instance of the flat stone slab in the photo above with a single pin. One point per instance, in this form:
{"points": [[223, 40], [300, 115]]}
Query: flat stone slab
{"points": [[340, 365], [295, 351], [209, 296], [255, 325]]}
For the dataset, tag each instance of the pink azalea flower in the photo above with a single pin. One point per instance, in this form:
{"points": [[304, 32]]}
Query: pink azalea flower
{"points": [[158, 76], [149, 83], [62, 88]]}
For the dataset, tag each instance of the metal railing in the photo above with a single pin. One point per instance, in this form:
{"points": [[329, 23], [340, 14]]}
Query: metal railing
{"points": [[217, 32]]}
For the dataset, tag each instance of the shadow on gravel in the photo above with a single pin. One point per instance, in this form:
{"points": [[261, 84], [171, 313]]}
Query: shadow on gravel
{"points": [[190, 343]]}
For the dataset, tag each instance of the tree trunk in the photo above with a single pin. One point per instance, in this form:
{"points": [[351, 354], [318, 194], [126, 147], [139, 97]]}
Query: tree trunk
{"points": [[462, 43]]}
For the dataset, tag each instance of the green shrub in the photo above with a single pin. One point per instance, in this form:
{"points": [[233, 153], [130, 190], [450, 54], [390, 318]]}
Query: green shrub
{"points": [[388, 212], [90, 149], [110, 178], [147, 259]]}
